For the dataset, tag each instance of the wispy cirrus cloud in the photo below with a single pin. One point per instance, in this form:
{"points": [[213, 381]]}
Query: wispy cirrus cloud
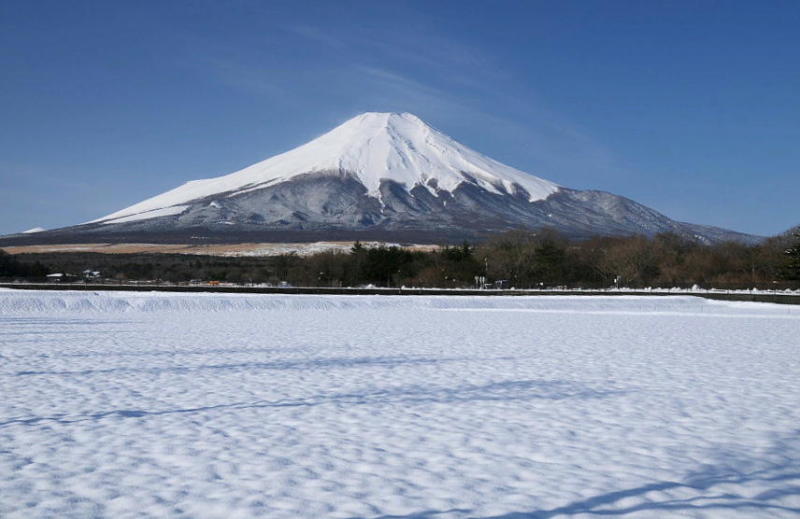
{"points": [[415, 67]]}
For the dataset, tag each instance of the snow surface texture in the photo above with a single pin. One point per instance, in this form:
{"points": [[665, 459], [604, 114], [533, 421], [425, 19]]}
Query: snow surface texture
{"points": [[171, 405], [373, 146]]}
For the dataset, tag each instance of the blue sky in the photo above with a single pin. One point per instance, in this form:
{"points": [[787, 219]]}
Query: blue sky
{"points": [[691, 108]]}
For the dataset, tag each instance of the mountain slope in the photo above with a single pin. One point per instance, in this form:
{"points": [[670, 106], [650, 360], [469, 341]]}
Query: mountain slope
{"points": [[371, 147], [381, 176]]}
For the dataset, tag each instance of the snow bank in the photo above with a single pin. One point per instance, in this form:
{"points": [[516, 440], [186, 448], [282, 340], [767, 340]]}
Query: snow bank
{"points": [[59, 301]]}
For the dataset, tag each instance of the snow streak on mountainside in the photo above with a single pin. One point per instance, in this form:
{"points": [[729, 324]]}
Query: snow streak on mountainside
{"points": [[373, 147]]}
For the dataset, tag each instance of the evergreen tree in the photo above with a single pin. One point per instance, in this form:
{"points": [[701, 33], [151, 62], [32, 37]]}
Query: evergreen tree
{"points": [[793, 255], [549, 263]]}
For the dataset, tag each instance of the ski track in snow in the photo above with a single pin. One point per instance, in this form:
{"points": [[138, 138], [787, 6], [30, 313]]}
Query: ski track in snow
{"points": [[207, 405]]}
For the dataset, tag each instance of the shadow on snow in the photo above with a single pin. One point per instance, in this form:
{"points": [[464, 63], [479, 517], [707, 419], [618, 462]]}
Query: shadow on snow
{"points": [[519, 390], [336, 362], [784, 475]]}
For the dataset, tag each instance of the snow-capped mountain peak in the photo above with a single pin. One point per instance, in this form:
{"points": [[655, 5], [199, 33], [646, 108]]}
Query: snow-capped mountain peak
{"points": [[372, 147], [382, 177]]}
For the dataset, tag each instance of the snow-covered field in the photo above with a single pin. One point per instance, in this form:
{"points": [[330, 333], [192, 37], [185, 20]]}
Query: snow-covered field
{"points": [[171, 405]]}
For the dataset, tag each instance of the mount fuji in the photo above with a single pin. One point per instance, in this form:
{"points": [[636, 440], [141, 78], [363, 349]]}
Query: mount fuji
{"points": [[385, 176]]}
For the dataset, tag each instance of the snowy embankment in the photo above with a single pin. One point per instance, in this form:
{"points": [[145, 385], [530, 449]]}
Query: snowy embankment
{"points": [[208, 405], [16, 302]]}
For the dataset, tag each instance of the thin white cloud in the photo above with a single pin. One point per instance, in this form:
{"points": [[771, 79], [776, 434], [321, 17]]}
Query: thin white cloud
{"points": [[318, 35], [418, 70]]}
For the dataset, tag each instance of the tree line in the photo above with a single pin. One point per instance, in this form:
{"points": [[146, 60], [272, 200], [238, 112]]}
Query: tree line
{"points": [[516, 259]]}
